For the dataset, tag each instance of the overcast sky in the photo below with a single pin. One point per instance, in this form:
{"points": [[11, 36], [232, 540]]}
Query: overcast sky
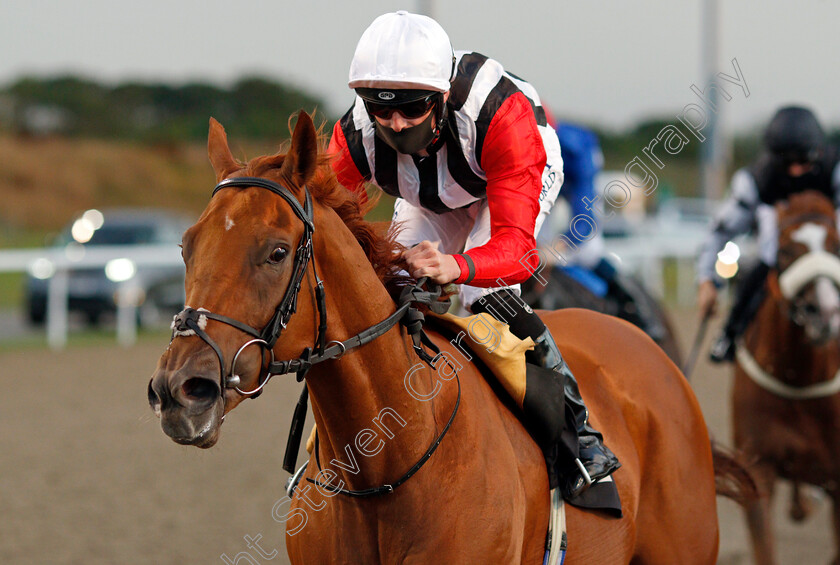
{"points": [[608, 61]]}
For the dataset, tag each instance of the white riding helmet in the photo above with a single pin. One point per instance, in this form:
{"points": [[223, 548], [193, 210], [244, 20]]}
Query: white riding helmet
{"points": [[403, 51]]}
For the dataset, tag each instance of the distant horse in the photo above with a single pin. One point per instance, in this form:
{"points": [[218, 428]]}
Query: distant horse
{"points": [[563, 291], [483, 495], [786, 409]]}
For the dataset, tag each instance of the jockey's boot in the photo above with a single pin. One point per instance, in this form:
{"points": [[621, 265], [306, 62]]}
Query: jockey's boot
{"points": [[595, 461], [723, 348]]}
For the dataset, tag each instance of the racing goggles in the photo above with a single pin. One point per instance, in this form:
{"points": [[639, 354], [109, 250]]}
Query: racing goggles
{"points": [[410, 110], [799, 157]]}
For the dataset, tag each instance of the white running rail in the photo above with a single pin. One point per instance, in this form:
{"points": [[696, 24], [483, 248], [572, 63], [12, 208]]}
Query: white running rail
{"points": [[62, 260]]}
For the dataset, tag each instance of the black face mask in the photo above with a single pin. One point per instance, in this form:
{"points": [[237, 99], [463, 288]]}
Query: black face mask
{"points": [[409, 140]]}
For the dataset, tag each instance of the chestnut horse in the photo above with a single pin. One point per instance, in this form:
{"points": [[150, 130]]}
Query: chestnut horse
{"points": [[483, 496], [786, 409]]}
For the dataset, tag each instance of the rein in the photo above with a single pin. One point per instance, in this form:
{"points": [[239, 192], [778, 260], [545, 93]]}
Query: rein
{"points": [[389, 488], [192, 321]]}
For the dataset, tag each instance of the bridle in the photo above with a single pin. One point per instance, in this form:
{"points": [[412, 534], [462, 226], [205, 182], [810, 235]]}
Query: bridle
{"points": [[806, 267], [191, 321]]}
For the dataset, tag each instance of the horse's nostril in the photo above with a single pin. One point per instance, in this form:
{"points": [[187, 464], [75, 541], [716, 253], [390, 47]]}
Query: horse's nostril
{"points": [[200, 389], [154, 399]]}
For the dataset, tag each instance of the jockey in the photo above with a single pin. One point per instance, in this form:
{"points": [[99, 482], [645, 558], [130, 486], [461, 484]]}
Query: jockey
{"points": [[797, 159], [465, 148], [582, 161]]}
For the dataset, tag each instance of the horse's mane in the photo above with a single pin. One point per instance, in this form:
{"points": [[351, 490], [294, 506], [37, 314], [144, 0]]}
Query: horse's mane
{"points": [[375, 238]]}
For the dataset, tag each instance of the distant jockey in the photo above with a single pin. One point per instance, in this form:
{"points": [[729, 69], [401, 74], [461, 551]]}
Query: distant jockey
{"points": [[585, 252]]}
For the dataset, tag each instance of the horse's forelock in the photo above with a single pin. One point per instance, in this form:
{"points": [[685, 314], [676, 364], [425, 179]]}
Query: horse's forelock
{"points": [[810, 202]]}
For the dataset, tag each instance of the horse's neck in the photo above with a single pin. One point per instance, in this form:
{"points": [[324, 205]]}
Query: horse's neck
{"points": [[783, 348], [360, 402]]}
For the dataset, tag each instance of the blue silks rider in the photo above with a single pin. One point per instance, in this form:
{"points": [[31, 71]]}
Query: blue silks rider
{"points": [[585, 251]]}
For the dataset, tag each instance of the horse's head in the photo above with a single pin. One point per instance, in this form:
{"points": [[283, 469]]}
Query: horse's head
{"points": [[244, 259], [808, 264]]}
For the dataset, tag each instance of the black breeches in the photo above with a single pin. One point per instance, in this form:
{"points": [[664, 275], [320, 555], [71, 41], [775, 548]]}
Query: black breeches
{"points": [[748, 297], [507, 307]]}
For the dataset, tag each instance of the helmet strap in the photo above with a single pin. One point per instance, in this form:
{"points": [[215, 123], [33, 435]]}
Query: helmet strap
{"points": [[441, 114]]}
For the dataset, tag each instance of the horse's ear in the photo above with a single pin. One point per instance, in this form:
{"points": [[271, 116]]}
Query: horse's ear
{"points": [[220, 156], [301, 160]]}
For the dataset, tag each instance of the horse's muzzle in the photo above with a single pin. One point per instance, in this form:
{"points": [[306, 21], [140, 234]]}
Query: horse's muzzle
{"points": [[190, 408], [817, 310]]}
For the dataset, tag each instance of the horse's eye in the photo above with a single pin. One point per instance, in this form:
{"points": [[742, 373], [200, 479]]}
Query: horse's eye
{"points": [[277, 255]]}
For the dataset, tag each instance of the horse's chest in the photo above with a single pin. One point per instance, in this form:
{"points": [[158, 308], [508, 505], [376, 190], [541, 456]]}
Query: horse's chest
{"points": [[799, 438], [403, 539], [426, 522]]}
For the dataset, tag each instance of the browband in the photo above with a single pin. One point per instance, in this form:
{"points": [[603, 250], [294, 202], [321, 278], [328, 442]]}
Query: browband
{"points": [[280, 190]]}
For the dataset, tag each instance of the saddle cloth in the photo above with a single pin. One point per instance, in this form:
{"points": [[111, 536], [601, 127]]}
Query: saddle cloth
{"points": [[491, 341]]}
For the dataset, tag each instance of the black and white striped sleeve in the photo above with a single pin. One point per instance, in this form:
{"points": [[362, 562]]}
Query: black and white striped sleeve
{"points": [[734, 218]]}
